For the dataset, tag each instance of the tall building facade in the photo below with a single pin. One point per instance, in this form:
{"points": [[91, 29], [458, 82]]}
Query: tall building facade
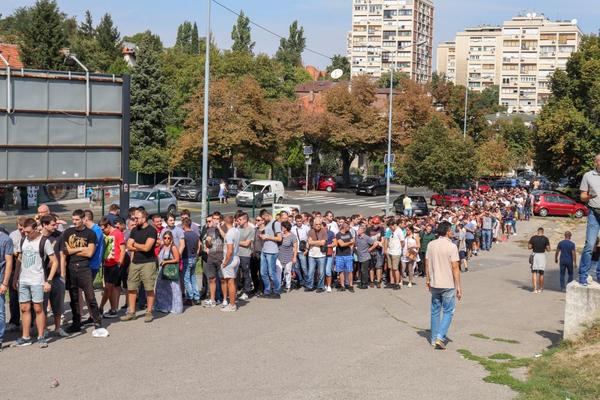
{"points": [[391, 33], [519, 57]]}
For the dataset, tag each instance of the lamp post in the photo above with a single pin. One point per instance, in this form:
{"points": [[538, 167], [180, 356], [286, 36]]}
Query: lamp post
{"points": [[204, 212], [466, 103]]}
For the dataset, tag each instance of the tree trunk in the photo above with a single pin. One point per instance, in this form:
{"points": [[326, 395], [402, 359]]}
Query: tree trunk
{"points": [[346, 161]]}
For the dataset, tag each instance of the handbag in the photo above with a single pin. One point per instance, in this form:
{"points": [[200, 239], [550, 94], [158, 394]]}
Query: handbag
{"points": [[531, 256], [170, 272]]}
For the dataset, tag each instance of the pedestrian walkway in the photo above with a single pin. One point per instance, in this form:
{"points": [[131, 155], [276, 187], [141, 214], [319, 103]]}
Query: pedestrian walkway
{"points": [[358, 201]]}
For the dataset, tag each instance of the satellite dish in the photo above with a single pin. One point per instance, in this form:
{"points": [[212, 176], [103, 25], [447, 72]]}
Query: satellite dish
{"points": [[574, 22], [337, 73]]}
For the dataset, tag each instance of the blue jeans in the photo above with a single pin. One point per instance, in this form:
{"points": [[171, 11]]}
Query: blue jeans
{"points": [[268, 273], [565, 267], [300, 268], [441, 300], [2, 312], [408, 212], [308, 271], [486, 236], [189, 279], [312, 264], [591, 233]]}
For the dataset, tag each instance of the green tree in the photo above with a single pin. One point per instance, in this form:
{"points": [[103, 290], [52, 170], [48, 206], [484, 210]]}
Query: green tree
{"points": [[241, 35], [384, 81], [86, 28], [291, 49], [339, 62], [438, 158], [183, 41], [43, 36], [195, 44], [150, 39], [108, 37], [494, 158], [149, 102]]}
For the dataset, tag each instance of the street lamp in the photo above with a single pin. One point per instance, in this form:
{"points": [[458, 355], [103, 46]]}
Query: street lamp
{"points": [[389, 160], [466, 103], [71, 59], [205, 135]]}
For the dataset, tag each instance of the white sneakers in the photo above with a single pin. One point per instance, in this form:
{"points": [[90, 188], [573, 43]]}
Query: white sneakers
{"points": [[229, 308], [328, 289], [244, 296]]}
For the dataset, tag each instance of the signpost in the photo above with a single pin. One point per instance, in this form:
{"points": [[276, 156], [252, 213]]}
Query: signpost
{"points": [[308, 150]]}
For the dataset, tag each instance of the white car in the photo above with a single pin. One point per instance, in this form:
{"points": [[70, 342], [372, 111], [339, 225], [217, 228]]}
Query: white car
{"points": [[261, 193], [151, 199]]}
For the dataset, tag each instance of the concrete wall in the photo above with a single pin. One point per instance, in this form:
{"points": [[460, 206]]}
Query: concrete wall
{"points": [[582, 307]]}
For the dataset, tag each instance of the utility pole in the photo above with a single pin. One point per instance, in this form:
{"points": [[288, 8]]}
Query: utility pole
{"points": [[204, 212]]}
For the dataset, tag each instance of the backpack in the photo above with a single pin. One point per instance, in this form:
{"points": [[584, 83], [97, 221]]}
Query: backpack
{"points": [[41, 249]]}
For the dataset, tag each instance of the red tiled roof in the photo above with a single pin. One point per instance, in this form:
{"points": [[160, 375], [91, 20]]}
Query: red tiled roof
{"points": [[12, 55]]}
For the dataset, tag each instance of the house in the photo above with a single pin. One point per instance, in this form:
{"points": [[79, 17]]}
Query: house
{"points": [[128, 50], [11, 53]]}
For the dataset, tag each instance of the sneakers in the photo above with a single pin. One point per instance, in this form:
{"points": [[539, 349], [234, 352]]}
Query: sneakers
{"points": [[328, 289], [110, 314], [148, 317], [89, 321], [341, 289], [128, 317], [73, 328], [224, 303], [439, 344], [209, 303], [276, 296], [320, 290], [196, 302], [409, 284], [229, 308], [22, 342], [351, 289], [60, 333], [244, 297], [42, 342]]}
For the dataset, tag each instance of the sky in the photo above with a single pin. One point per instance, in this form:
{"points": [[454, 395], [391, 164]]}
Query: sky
{"points": [[325, 22]]}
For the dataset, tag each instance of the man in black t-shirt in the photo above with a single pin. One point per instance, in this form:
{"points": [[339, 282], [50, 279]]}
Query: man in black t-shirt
{"points": [[539, 244], [77, 248], [143, 267]]}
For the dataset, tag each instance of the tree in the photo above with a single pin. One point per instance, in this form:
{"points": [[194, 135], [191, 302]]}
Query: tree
{"points": [[241, 36], [150, 39], [494, 158], [195, 44], [183, 41], [517, 137], [438, 158], [108, 36], [291, 49], [340, 62], [86, 28], [43, 36], [148, 105], [384, 81]]}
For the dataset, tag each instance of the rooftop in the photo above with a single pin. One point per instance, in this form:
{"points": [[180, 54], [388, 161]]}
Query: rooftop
{"points": [[12, 55]]}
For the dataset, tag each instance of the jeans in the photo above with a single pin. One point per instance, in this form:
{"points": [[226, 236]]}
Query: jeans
{"points": [[2, 312], [189, 279], [564, 267], [308, 270], [591, 233], [312, 264], [244, 274], [408, 212], [486, 236], [441, 300], [80, 277], [527, 212], [299, 268], [268, 273], [13, 302]]}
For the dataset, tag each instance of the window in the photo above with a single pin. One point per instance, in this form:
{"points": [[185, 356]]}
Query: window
{"points": [[551, 198], [548, 36], [565, 200], [511, 43], [164, 195]]}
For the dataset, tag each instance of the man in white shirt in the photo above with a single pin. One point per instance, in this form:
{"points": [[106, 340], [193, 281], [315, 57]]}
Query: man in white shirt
{"points": [[301, 231], [392, 247]]}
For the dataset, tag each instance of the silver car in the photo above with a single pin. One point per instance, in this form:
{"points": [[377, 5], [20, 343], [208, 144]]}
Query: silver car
{"points": [[150, 199]]}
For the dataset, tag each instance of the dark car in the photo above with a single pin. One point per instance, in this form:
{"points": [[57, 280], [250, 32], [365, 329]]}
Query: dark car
{"points": [[372, 186], [194, 192], [355, 180], [419, 205], [504, 184], [235, 185]]}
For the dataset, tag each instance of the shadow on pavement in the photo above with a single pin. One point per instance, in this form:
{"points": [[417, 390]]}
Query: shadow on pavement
{"points": [[554, 337]]}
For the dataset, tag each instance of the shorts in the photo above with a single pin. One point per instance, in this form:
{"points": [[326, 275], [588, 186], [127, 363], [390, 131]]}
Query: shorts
{"points": [[31, 293], [142, 273], [539, 262], [344, 263], [393, 262], [112, 274], [230, 271], [462, 255], [376, 260], [469, 243], [212, 268], [56, 296]]}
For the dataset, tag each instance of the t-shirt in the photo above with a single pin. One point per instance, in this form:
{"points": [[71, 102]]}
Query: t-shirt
{"points": [[32, 265], [395, 240], [178, 234], [315, 250], [73, 238], [271, 229], [140, 236], [112, 218], [566, 248], [426, 238], [286, 250], [363, 243], [591, 183], [440, 255], [470, 229], [215, 252], [96, 260], [56, 240], [6, 249], [112, 247], [407, 203], [333, 226], [538, 243], [191, 239], [246, 233], [232, 237], [16, 237], [486, 223], [301, 232], [346, 238]]}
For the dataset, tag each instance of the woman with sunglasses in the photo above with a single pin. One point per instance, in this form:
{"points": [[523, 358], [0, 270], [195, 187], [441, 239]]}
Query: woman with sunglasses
{"points": [[168, 291]]}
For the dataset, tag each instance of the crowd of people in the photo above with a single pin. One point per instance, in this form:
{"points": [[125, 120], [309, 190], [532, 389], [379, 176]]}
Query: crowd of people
{"points": [[166, 265]]}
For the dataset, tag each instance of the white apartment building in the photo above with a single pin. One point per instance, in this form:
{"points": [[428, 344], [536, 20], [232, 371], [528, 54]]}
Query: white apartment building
{"points": [[391, 33], [446, 60], [519, 57]]}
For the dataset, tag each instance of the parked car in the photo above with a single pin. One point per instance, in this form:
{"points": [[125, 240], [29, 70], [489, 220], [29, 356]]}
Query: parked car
{"points": [[175, 184], [419, 205], [355, 180], [372, 186], [557, 204], [504, 184], [235, 185], [261, 193], [327, 183], [451, 197], [194, 192], [483, 186], [151, 199]]}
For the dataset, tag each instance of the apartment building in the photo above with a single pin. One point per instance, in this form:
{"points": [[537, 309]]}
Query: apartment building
{"points": [[446, 60], [519, 57], [391, 33]]}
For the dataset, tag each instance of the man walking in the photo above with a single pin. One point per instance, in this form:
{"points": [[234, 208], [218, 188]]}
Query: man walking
{"points": [[590, 188], [539, 244], [143, 267], [566, 250], [443, 281]]}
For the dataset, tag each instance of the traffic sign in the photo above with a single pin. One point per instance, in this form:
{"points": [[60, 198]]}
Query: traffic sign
{"points": [[393, 158], [308, 150]]}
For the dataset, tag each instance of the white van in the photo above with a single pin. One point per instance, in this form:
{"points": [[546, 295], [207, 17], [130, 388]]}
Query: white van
{"points": [[263, 192]]}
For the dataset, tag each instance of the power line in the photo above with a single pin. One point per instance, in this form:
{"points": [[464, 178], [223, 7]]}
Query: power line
{"points": [[267, 29]]}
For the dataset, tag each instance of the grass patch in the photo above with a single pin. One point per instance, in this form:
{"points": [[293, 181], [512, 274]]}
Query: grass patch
{"points": [[511, 341], [570, 370], [480, 336]]}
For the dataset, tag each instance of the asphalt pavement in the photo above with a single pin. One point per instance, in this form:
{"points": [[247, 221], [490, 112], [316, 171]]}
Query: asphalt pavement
{"points": [[363, 345]]}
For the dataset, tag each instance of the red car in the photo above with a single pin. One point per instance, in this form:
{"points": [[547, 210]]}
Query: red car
{"points": [[558, 204], [484, 187], [451, 197], [326, 183]]}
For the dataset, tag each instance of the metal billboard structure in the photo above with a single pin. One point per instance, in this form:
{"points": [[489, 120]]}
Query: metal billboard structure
{"points": [[64, 128]]}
